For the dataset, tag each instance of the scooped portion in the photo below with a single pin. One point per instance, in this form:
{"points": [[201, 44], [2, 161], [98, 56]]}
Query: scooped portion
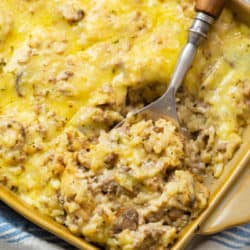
{"points": [[130, 190]]}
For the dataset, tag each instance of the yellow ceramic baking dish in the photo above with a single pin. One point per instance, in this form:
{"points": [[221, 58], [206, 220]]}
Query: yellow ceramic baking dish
{"points": [[228, 205]]}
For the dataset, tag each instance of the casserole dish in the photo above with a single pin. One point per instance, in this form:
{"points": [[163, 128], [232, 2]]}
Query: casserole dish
{"points": [[217, 189]]}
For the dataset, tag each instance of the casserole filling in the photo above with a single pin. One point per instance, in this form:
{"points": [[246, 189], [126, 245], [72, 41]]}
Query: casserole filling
{"points": [[136, 194], [71, 70]]}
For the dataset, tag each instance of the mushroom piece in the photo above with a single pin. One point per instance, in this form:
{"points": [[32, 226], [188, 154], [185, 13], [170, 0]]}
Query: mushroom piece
{"points": [[128, 219], [72, 14]]}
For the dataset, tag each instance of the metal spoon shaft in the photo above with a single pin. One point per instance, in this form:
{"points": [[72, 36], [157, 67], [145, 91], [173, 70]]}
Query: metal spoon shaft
{"points": [[183, 65]]}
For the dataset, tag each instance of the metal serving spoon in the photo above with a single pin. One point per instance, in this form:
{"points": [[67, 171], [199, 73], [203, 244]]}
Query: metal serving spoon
{"points": [[165, 106]]}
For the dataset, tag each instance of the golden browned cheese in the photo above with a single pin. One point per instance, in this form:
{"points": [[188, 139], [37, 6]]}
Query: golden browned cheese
{"points": [[71, 69]]}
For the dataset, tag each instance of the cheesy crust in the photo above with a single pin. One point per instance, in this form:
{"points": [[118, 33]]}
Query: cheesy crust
{"points": [[72, 69]]}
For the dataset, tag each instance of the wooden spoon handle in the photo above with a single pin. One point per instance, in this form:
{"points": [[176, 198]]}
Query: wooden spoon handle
{"points": [[210, 7]]}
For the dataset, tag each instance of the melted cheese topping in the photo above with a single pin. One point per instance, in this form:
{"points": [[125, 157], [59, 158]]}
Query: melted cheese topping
{"points": [[66, 71]]}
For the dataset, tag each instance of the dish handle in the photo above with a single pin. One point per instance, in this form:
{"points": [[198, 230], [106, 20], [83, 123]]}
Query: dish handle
{"points": [[234, 208]]}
